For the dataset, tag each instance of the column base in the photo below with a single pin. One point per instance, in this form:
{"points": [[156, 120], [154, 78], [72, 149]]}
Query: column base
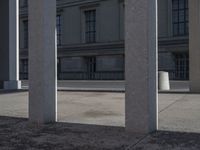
{"points": [[195, 90], [12, 85]]}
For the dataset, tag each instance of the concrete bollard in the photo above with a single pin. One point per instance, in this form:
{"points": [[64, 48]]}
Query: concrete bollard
{"points": [[163, 81]]}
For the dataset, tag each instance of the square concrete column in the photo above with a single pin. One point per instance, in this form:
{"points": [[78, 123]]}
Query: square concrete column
{"points": [[194, 45], [9, 44], [42, 61], [141, 65]]}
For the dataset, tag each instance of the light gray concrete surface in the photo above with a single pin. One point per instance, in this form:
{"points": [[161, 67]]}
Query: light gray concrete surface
{"points": [[42, 61], [177, 112], [114, 86], [141, 65], [182, 114], [87, 85]]}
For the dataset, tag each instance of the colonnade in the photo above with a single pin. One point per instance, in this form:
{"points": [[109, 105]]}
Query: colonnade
{"points": [[140, 56]]}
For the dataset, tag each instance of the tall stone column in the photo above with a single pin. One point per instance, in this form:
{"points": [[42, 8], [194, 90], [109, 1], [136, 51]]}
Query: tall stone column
{"points": [[141, 65], [194, 45], [42, 61], [9, 44]]}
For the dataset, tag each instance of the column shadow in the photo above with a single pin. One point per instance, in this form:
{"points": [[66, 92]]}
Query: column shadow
{"points": [[18, 133]]}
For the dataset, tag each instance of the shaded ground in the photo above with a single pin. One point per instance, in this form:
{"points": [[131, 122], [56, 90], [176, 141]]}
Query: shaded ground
{"points": [[18, 134], [177, 112]]}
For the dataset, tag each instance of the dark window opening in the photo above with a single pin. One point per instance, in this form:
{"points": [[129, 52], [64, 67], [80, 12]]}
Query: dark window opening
{"points": [[25, 33], [58, 28], [90, 26], [180, 17]]}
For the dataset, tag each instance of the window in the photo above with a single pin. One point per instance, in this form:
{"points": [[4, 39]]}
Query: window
{"points": [[182, 66], [25, 3], [90, 26], [24, 65], [58, 27], [25, 23], [180, 17], [122, 20], [91, 67], [24, 69]]}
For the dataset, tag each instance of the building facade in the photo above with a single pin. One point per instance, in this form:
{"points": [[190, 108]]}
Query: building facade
{"points": [[90, 39]]}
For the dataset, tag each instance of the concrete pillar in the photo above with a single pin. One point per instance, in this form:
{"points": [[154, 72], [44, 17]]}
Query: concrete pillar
{"points": [[42, 61], [9, 44], [194, 45], [141, 65]]}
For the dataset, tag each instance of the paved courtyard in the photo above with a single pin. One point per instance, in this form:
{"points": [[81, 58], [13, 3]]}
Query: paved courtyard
{"points": [[107, 85], [88, 110], [177, 112], [178, 117]]}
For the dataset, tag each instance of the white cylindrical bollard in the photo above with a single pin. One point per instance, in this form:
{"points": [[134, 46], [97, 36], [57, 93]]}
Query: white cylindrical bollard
{"points": [[163, 81]]}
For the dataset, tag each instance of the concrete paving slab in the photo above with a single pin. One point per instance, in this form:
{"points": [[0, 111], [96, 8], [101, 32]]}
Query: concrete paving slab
{"points": [[92, 108], [177, 112], [108, 86], [169, 141], [14, 104], [183, 115], [87, 85]]}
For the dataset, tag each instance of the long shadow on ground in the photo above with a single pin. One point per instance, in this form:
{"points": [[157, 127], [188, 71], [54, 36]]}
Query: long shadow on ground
{"points": [[18, 134]]}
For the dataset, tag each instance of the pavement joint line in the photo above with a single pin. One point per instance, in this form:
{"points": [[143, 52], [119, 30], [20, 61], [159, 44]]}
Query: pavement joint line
{"points": [[118, 90], [179, 99], [138, 142]]}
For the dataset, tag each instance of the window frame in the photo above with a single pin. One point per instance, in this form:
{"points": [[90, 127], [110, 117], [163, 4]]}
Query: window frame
{"points": [[180, 26], [90, 25], [59, 30], [25, 34], [83, 8]]}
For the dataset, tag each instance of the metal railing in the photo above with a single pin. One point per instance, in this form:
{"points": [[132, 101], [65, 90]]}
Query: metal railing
{"points": [[178, 75], [105, 75], [23, 76], [117, 75]]}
